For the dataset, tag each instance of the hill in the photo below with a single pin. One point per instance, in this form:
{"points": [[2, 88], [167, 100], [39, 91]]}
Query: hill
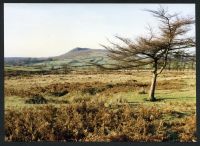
{"points": [[77, 57], [82, 53]]}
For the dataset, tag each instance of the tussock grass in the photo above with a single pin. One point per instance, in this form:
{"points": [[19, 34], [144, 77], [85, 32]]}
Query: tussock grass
{"points": [[100, 107], [93, 121]]}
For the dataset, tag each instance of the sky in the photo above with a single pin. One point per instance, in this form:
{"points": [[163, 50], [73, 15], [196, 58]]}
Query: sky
{"points": [[44, 30]]}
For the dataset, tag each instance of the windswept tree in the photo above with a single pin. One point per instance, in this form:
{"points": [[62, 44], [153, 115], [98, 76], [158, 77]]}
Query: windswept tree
{"points": [[154, 48]]}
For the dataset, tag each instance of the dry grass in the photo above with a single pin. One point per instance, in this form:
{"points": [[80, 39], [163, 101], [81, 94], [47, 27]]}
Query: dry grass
{"points": [[93, 121], [87, 106]]}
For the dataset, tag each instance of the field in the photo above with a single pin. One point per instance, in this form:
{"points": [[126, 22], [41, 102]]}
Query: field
{"points": [[100, 106]]}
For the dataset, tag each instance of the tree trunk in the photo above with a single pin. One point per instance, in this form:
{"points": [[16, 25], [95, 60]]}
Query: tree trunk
{"points": [[153, 87], [153, 82]]}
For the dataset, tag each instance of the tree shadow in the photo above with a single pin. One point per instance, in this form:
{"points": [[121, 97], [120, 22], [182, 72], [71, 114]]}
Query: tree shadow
{"points": [[159, 99], [173, 98], [189, 97], [132, 102]]}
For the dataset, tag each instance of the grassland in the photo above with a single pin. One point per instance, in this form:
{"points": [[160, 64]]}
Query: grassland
{"points": [[94, 106]]}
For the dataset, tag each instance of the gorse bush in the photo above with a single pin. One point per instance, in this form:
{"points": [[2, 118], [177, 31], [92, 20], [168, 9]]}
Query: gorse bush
{"points": [[36, 99], [92, 121], [61, 89], [57, 89], [92, 90]]}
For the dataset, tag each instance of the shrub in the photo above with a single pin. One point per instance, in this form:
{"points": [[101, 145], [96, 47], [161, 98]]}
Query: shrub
{"points": [[60, 93], [109, 85], [36, 99], [92, 121], [57, 89]]}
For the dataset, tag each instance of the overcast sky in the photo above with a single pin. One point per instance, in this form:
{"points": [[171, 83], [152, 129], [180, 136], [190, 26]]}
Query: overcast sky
{"points": [[43, 30]]}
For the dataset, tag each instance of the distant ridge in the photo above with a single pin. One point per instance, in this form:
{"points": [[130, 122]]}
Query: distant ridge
{"points": [[78, 53], [80, 49], [74, 57]]}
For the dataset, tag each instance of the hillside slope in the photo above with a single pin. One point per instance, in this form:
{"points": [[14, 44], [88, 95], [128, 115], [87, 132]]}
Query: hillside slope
{"points": [[77, 57], [81, 53]]}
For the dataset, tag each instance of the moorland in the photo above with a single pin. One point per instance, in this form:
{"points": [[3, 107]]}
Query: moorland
{"points": [[62, 99]]}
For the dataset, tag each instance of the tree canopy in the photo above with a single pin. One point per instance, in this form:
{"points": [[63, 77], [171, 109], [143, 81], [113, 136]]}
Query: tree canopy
{"points": [[155, 48]]}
